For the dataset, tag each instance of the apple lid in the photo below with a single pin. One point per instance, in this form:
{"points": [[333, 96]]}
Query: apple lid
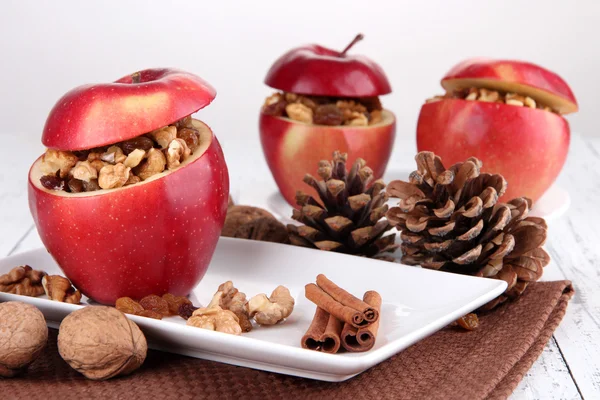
{"points": [[101, 114], [319, 71], [519, 77]]}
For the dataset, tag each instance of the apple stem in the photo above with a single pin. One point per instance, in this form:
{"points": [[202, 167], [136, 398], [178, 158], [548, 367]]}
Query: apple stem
{"points": [[136, 77], [357, 39]]}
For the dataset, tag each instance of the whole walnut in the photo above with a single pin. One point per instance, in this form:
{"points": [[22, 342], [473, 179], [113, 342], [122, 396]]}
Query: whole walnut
{"points": [[101, 342], [23, 336]]}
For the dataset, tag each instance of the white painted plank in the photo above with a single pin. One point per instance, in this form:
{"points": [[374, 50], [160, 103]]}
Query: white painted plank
{"points": [[30, 241], [574, 244], [15, 218], [548, 378]]}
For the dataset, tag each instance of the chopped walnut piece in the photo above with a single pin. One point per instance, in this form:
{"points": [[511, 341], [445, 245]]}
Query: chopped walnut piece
{"points": [[376, 117], [164, 136], [270, 310], [473, 93], [98, 164], [154, 164], [529, 102], [291, 97], [515, 99], [299, 112], [490, 96], [23, 280], [113, 155], [177, 153], [59, 288], [229, 298], [113, 176], [215, 319], [134, 158], [357, 119], [273, 99], [84, 171], [93, 156], [132, 179], [57, 160]]}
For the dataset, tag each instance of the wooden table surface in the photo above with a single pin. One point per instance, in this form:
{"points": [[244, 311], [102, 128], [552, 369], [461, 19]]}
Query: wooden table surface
{"points": [[569, 367]]}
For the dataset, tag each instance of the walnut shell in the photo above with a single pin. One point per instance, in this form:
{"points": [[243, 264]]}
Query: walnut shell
{"points": [[101, 342], [23, 335]]}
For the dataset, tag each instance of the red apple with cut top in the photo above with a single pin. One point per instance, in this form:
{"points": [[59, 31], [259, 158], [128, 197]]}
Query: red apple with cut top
{"points": [[293, 148], [152, 237], [528, 146]]}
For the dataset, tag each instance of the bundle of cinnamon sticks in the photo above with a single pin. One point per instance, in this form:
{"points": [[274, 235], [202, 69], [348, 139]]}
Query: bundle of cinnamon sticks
{"points": [[341, 319]]}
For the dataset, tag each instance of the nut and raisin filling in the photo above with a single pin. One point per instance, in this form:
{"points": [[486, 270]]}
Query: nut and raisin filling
{"points": [[492, 96], [121, 164], [322, 110]]}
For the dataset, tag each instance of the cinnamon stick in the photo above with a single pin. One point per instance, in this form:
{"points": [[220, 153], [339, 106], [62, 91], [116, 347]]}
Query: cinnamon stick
{"points": [[323, 334], [369, 313], [337, 309], [362, 339]]}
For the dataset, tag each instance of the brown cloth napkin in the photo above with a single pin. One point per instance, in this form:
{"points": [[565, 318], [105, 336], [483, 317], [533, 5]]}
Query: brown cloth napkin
{"points": [[451, 364]]}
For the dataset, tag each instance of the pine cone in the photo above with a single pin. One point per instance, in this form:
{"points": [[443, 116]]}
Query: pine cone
{"points": [[450, 220], [349, 217]]}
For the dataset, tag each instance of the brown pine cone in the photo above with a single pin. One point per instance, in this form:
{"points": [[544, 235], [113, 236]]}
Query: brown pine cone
{"points": [[347, 218], [450, 220]]}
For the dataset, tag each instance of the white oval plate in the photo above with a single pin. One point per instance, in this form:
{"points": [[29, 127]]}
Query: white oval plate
{"points": [[416, 303]]}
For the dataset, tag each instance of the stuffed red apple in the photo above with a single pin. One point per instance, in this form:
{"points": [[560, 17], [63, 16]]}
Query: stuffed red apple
{"points": [[327, 100], [131, 195], [506, 113]]}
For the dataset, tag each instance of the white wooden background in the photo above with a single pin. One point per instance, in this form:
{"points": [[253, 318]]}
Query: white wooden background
{"points": [[569, 367]]}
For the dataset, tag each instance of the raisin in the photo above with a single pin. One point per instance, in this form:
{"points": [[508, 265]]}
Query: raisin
{"points": [[328, 114], [52, 182], [149, 314], [275, 109], [371, 103], [140, 142], [190, 136], [155, 303], [185, 122], [81, 155], [469, 322], [75, 185], [91, 185], [128, 306], [308, 102], [186, 310], [175, 302]]}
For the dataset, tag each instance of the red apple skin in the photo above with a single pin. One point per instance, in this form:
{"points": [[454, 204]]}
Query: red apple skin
{"points": [[294, 149], [527, 146], [150, 238], [318, 71], [100, 114], [555, 91]]}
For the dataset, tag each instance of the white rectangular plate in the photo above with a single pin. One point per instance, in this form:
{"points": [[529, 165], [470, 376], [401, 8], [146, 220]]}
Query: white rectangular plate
{"points": [[416, 303]]}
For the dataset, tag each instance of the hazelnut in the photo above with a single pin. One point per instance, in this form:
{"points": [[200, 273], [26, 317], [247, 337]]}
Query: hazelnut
{"points": [[23, 336], [101, 342]]}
